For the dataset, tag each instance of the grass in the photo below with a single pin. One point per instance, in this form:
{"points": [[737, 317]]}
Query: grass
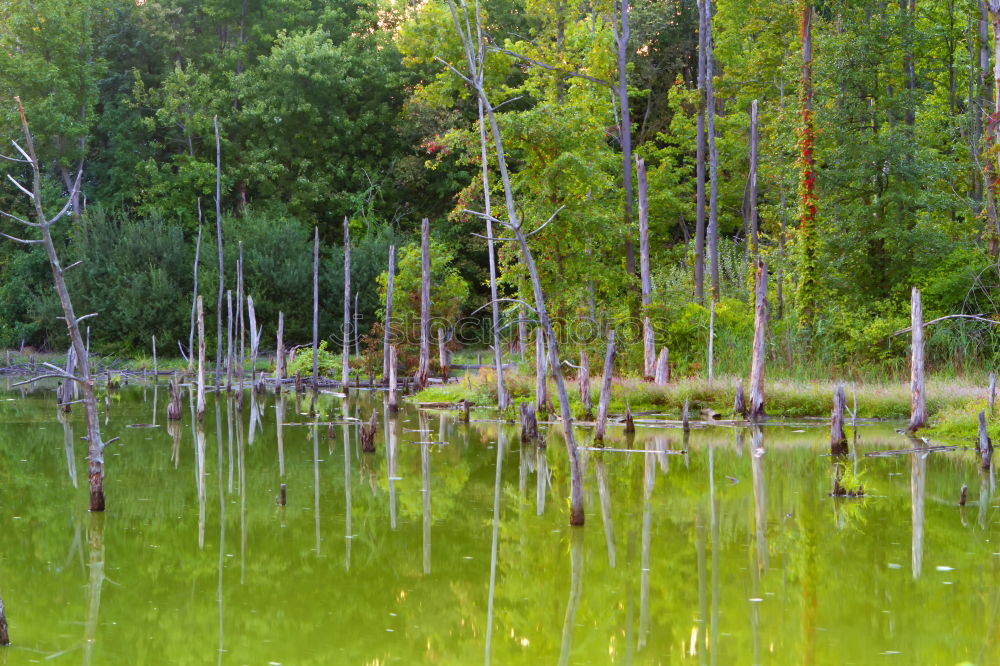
{"points": [[783, 397]]}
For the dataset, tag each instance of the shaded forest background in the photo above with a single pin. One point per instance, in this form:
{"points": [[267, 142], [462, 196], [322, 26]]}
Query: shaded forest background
{"points": [[338, 108]]}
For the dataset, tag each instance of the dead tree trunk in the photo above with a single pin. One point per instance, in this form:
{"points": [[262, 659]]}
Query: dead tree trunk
{"points": [[443, 355], [662, 377], [541, 372], [993, 392], [605, 398], [218, 238], [393, 401], [241, 326], [739, 403], [503, 400], [752, 203], [529, 424], [174, 406], [713, 157], [522, 331], [279, 355], [420, 379], [366, 432], [345, 367], [699, 230], [838, 439], [685, 424], [985, 445], [201, 360], [155, 369], [759, 334], [622, 36], [629, 421], [711, 338], [390, 278], [347, 310], [583, 382], [194, 296], [649, 349], [918, 410], [43, 223]]}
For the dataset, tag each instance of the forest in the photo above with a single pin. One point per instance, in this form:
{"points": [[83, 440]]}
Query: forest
{"points": [[871, 169]]}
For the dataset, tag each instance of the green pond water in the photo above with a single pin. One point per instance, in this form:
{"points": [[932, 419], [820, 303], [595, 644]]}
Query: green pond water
{"points": [[458, 551]]}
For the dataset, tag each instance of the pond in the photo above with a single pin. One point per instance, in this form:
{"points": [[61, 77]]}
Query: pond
{"points": [[450, 544]]}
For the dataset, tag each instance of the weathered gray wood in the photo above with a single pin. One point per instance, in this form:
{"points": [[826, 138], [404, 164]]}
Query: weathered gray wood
{"points": [[756, 412], [739, 403], [629, 421], [712, 239], [218, 239], [503, 401], [390, 279], [366, 432], [649, 349], [918, 410], [443, 360], [357, 335], [838, 439], [541, 372], [985, 444], [684, 417], [711, 338], [583, 383], [229, 340], [622, 36], [174, 405], [156, 370], [752, 196], [241, 362], [345, 365], [254, 341], [662, 375], [529, 424], [699, 232], [315, 327], [393, 402], [200, 411], [194, 294], [605, 397], [522, 331], [423, 363], [279, 356]]}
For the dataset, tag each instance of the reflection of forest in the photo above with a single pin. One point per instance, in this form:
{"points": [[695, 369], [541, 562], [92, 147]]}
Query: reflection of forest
{"points": [[724, 555]]}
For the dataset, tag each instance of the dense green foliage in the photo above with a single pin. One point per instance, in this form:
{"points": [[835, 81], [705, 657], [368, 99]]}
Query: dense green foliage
{"points": [[332, 109]]}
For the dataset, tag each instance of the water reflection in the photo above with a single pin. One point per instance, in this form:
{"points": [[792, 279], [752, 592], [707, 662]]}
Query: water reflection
{"points": [[95, 547], [606, 514], [918, 489], [575, 592], [501, 449]]}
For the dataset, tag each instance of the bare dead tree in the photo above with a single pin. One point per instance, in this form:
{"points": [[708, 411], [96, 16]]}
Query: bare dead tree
{"points": [[473, 47], [43, 225], [218, 240], [346, 354], [423, 365]]}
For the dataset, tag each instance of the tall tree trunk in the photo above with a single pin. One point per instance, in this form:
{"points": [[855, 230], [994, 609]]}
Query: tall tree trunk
{"points": [[345, 366], [622, 35], [194, 296], [390, 278], [699, 232], [759, 340], [423, 367], [218, 237], [918, 410], [649, 350], [347, 310], [502, 399], [752, 196], [807, 221], [713, 159]]}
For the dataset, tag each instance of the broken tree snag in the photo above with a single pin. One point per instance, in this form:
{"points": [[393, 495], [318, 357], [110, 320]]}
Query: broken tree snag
{"points": [[662, 376], [993, 392], [529, 424], [218, 242], [629, 423], [387, 324], [605, 397], [964, 495], [541, 371], [583, 382], [345, 367], [347, 309], [648, 351], [420, 379], [918, 410], [838, 440], [281, 495], [174, 406], [756, 412], [279, 355], [465, 410], [367, 434], [443, 355], [739, 403], [985, 445], [201, 360], [4, 636], [684, 417], [393, 401], [711, 337], [522, 331], [752, 195]]}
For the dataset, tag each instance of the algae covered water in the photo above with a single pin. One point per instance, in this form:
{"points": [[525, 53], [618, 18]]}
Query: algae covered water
{"points": [[450, 544]]}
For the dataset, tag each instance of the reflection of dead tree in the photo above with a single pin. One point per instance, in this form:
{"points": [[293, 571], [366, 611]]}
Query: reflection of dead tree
{"points": [[43, 225], [95, 541], [473, 45]]}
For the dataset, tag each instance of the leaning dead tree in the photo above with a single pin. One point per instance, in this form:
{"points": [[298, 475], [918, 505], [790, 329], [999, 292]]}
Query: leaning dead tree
{"points": [[42, 226], [473, 45]]}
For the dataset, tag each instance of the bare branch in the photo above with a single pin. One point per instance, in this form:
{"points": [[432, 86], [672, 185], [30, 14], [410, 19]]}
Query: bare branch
{"points": [[507, 300], [551, 217], [110, 441], [953, 316], [14, 159], [72, 266], [460, 75], [27, 158], [69, 200], [50, 375], [26, 241], [553, 68], [17, 219], [21, 187]]}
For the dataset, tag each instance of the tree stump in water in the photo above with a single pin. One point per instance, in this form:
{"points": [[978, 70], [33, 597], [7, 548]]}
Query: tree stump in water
{"points": [[662, 376], [174, 406], [465, 410], [281, 496], [4, 637], [964, 495], [838, 440], [605, 397], [298, 382], [529, 424], [684, 417], [739, 404], [629, 423], [583, 383], [985, 445], [367, 434]]}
